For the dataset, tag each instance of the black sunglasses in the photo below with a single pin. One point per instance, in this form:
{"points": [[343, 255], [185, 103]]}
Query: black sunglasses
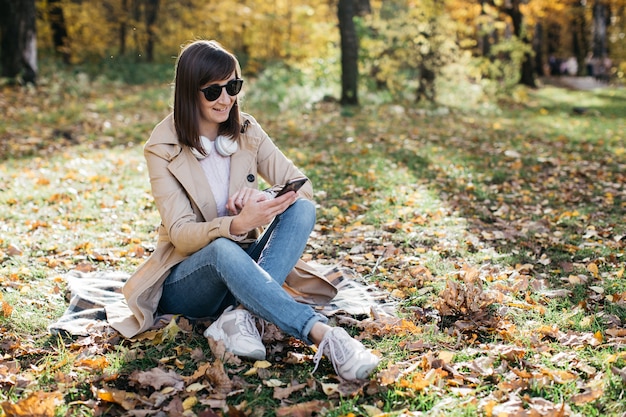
{"points": [[214, 91]]}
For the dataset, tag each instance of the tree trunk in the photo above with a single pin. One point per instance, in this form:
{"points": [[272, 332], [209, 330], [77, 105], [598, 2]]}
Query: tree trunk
{"points": [[527, 70], [58, 27], [538, 48], [363, 7], [426, 88], [18, 40], [601, 20], [152, 9], [123, 29], [484, 38], [349, 52], [579, 36]]}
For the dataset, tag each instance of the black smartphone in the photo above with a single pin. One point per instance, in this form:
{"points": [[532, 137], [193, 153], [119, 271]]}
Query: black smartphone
{"points": [[292, 185]]}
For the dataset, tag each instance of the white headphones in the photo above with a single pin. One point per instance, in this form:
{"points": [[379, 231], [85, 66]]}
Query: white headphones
{"points": [[225, 146]]}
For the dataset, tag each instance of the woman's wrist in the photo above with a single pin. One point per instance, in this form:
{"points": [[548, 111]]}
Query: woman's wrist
{"points": [[236, 229]]}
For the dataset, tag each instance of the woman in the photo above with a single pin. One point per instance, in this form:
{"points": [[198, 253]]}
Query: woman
{"points": [[204, 162]]}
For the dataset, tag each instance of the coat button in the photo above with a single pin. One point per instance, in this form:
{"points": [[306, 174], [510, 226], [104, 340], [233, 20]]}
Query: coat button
{"points": [[250, 178]]}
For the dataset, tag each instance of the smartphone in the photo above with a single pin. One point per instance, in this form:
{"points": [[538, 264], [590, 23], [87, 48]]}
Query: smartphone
{"points": [[292, 185]]}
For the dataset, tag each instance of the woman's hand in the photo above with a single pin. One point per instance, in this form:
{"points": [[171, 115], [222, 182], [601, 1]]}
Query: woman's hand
{"points": [[238, 200], [256, 209]]}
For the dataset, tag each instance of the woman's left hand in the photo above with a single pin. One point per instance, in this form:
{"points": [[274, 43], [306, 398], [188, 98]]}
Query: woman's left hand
{"points": [[238, 200]]}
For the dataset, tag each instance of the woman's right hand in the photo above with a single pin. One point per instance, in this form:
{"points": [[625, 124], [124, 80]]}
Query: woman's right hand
{"points": [[258, 213]]}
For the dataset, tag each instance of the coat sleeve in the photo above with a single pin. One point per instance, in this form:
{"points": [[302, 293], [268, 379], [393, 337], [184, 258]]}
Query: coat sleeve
{"points": [[272, 164], [185, 228]]}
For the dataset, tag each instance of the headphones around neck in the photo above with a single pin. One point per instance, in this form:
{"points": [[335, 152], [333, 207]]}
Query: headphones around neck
{"points": [[224, 145]]}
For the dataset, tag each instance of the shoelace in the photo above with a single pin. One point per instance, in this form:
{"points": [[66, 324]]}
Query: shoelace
{"points": [[249, 325], [336, 352]]}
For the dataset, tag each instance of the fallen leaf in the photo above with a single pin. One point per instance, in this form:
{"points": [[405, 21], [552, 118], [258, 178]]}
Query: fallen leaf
{"points": [[158, 378], [195, 387], [593, 268], [262, 364], [217, 376], [587, 396], [37, 404], [282, 393], [127, 400], [272, 383], [330, 389], [306, 409], [189, 403], [446, 356]]}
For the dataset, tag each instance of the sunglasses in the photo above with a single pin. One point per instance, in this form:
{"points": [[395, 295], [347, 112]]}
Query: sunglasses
{"points": [[214, 91]]}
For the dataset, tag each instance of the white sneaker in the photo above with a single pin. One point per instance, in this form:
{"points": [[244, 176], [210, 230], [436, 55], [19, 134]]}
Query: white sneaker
{"points": [[349, 357], [236, 328]]}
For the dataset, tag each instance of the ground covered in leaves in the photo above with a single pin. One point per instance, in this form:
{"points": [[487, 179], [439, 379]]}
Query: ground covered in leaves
{"points": [[498, 229]]}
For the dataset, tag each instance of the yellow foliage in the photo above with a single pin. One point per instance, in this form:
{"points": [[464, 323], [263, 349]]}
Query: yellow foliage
{"points": [[258, 31]]}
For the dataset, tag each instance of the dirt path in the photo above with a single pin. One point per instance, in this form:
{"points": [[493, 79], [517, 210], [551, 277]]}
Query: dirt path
{"points": [[574, 83]]}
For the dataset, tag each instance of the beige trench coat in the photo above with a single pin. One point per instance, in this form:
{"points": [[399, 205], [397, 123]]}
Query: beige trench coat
{"points": [[189, 218]]}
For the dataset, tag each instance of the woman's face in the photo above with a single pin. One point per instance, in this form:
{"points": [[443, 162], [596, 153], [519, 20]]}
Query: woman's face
{"points": [[217, 111]]}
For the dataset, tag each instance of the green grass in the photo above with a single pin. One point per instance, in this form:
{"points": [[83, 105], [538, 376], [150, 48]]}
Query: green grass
{"points": [[527, 193]]}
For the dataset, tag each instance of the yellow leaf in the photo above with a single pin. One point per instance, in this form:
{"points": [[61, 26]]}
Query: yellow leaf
{"points": [[97, 363], [417, 382], [6, 309], [593, 268], [598, 336], [168, 333], [37, 404], [488, 408], [615, 357], [262, 364], [251, 371], [273, 383], [446, 356], [125, 399], [195, 387], [189, 402]]}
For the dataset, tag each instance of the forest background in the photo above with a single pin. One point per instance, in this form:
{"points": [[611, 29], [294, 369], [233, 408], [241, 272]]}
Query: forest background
{"points": [[485, 203], [402, 47]]}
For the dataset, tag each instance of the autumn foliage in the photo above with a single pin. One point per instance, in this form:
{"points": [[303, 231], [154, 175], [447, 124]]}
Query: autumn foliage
{"points": [[495, 229]]}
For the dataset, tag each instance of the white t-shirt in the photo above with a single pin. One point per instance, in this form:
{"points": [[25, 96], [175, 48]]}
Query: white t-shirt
{"points": [[217, 170]]}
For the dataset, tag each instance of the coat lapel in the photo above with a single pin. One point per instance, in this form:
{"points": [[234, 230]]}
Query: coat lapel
{"points": [[239, 169], [188, 171]]}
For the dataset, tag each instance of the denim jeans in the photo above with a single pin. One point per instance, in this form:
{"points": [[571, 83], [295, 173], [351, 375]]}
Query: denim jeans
{"points": [[224, 274]]}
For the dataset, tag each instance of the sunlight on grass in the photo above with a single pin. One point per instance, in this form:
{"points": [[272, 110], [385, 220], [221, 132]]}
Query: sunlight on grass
{"points": [[528, 198]]}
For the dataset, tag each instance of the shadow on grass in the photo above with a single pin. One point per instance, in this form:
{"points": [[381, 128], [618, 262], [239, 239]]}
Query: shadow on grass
{"points": [[538, 193]]}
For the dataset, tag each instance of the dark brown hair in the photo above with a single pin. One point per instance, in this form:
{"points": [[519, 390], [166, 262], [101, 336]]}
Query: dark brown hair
{"points": [[199, 63]]}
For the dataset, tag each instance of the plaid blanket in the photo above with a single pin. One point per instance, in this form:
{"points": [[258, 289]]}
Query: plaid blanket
{"points": [[90, 292]]}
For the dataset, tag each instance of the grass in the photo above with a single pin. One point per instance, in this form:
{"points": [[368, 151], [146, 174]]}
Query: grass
{"points": [[527, 194]]}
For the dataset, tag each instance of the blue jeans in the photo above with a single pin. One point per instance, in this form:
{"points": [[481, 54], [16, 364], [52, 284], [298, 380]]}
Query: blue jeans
{"points": [[223, 274]]}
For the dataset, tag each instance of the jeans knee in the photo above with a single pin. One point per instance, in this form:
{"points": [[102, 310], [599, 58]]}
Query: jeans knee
{"points": [[221, 246], [305, 210]]}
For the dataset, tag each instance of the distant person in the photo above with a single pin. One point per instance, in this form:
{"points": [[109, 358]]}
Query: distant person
{"points": [[555, 65], [569, 66], [205, 161]]}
